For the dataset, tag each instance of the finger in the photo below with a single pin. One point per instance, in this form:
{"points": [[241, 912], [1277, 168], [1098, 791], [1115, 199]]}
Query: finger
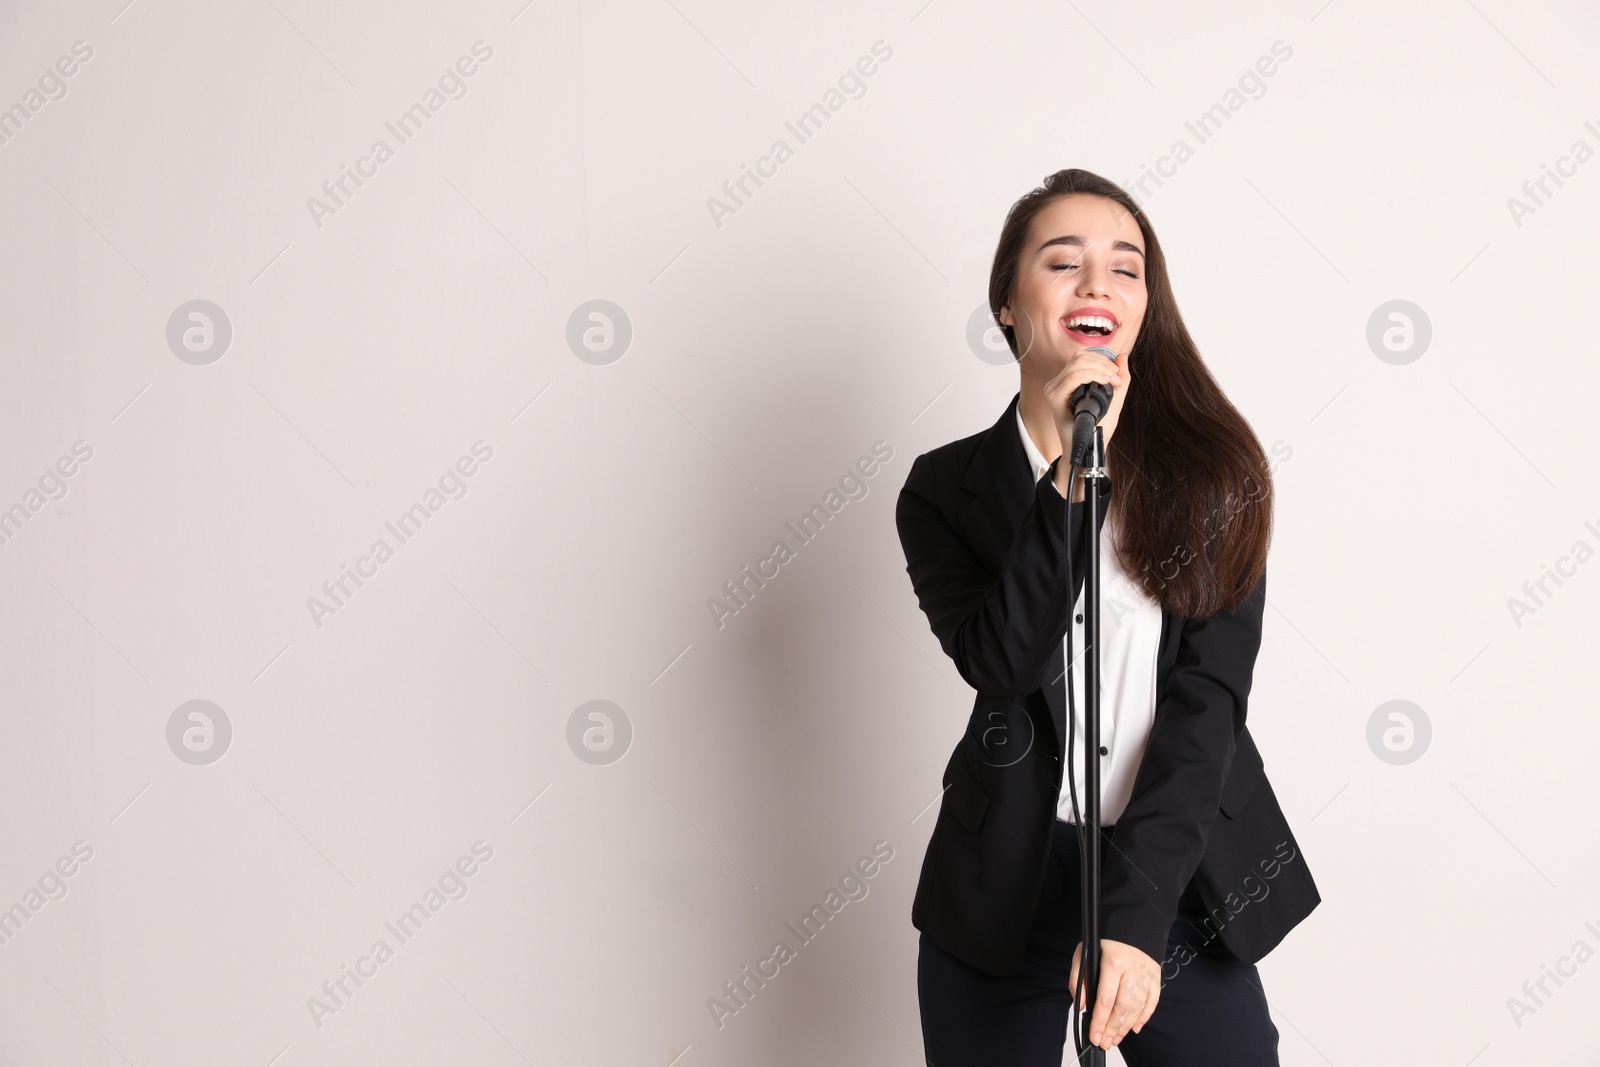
{"points": [[1134, 998], [1149, 1010], [1084, 366], [1113, 364], [1120, 367], [1074, 378], [1152, 991], [1104, 998], [1130, 1003], [1121, 1013]]}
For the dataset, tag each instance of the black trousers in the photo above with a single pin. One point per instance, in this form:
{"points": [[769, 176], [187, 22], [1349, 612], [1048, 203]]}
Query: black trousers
{"points": [[1212, 1011]]}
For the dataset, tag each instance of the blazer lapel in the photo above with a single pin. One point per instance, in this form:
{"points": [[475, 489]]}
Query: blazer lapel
{"points": [[1000, 486], [997, 484]]}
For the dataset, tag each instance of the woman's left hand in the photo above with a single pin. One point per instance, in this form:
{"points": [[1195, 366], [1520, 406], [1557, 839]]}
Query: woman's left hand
{"points": [[1130, 985]]}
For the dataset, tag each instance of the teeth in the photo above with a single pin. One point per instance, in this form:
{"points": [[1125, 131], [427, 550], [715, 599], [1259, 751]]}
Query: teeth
{"points": [[1091, 320]]}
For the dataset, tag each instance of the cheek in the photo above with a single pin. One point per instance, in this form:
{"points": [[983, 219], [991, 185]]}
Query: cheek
{"points": [[1038, 300], [1139, 321]]}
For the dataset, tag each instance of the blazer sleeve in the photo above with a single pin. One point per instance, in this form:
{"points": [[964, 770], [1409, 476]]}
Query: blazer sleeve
{"points": [[1161, 835], [1001, 628]]}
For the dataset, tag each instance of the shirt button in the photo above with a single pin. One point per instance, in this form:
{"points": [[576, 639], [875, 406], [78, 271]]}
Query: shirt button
{"points": [[1103, 750], [1080, 618]]}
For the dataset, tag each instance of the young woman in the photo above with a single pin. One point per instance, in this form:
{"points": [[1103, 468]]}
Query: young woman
{"points": [[1201, 875]]}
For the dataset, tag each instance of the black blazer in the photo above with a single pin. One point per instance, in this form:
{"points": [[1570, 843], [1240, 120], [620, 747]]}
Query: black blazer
{"points": [[983, 546]]}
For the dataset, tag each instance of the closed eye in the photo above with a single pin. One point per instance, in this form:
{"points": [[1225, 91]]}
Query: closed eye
{"points": [[1071, 266]]}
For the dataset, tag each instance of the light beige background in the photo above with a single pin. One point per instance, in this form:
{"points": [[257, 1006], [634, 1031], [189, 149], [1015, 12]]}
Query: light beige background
{"points": [[768, 354]]}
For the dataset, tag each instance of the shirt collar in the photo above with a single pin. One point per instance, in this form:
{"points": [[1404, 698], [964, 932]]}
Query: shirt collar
{"points": [[1036, 458]]}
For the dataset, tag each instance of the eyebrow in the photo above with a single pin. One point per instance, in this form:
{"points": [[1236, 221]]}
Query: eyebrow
{"points": [[1074, 239]]}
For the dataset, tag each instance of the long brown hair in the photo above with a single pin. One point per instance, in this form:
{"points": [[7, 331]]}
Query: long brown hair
{"points": [[1192, 490]]}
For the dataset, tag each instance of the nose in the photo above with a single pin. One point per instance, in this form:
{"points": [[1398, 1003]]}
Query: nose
{"points": [[1094, 280]]}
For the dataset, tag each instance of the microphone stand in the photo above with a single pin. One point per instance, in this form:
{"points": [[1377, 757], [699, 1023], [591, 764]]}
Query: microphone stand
{"points": [[1093, 473]]}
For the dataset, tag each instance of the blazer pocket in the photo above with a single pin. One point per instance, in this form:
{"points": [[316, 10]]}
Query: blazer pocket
{"points": [[966, 801]]}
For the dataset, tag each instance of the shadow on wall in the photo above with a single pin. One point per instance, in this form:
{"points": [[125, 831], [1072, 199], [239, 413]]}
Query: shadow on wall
{"points": [[825, 689]]}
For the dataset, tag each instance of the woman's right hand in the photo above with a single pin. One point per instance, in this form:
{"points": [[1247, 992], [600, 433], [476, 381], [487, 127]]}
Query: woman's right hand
{"points": [[1081, 369]]}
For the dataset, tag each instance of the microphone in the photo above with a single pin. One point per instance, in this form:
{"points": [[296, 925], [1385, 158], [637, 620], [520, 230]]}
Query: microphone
{"points": [[1090, 402]]}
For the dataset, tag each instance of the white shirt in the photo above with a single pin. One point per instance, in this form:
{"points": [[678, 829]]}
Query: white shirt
{"points": [[1130, 638]]}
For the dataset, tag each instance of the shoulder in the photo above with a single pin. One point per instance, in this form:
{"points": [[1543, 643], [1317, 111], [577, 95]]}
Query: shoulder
{"points": [[1237, 626], [942, 467]]}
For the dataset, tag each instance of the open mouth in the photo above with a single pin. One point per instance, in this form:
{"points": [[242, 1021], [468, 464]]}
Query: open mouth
{"points": [[1090, 326]]}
